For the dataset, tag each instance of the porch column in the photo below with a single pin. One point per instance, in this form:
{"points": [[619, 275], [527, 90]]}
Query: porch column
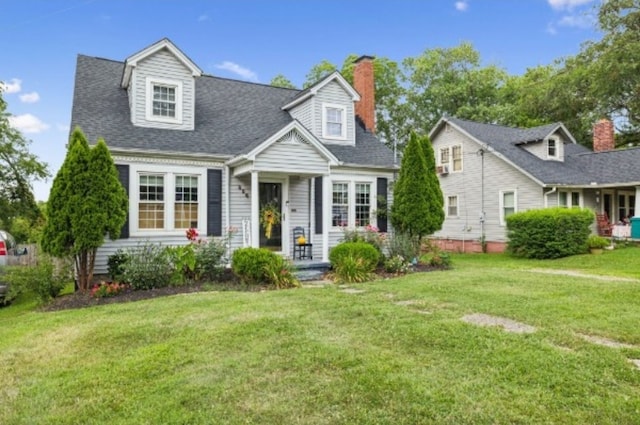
{"points": [[326, 216], [255, 210], [636, 210]]}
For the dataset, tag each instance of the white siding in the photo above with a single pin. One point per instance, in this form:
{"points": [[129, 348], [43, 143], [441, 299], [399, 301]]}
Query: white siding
{"points": [[299, 209], [240, 207], [162, 65], [539, 149], [303, 113], [333, 93], [291, 157], [468, 186]]}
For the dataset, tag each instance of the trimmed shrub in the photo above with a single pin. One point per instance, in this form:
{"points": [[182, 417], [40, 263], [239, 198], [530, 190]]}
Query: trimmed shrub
{"points": [[115, 265], [369, 234], [211, 259], [597, 242], [349, 251], [549, 233], [148, 267], [249, 264]]}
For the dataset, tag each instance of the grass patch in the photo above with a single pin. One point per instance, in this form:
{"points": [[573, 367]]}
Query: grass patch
{"points": [[323, 356]]}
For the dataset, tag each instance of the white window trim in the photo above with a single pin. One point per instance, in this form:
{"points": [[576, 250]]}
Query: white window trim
{"points": [[150, 82], [343, 109], [169, 173], [446, 211], [501, 204], [450, 163], [351, 188], [568, 193], [557, 148]]}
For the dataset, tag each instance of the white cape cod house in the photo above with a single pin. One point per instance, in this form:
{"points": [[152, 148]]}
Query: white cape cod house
{"points": [[198, 151], [489, 171]]}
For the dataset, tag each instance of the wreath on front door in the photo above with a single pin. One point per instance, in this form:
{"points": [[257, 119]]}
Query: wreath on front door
{"points": [[269, 217]]}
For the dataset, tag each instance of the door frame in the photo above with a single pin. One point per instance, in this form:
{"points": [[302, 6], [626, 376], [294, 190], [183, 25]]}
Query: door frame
{"points": [[284, 214]]}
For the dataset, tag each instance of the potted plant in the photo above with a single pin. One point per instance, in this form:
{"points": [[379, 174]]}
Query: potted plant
{"points": [[597, 243]]}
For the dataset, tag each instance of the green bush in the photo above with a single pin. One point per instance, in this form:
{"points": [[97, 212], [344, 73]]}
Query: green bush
{"points": [[278, 271], [46, 279], [211, 259], [403, 245], [352, 269], [369, 234], [549, 233], [148, 267], [249, 264], [183, 260], [115, 265], [364, 250], [397, 264], [597, 242]]}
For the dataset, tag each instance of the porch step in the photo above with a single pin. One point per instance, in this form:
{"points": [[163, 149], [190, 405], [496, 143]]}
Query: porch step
{"points": [[310, 270]]}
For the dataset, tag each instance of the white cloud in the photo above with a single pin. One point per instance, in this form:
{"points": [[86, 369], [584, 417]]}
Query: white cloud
{"points": [[551, 29], [63, 127], [12, 87], [577, 21], [234, 68], [203, 18], [32, 97], [462, 6], [27, 123], [567, 4]]}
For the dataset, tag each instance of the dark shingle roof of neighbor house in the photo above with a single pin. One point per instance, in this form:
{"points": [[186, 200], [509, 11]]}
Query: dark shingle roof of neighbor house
{"points": [[581, 166], [230, 116]]}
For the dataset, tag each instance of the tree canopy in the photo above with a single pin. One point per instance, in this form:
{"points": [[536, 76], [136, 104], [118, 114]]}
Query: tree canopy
{"points": [[18, 169], [282, 81]]}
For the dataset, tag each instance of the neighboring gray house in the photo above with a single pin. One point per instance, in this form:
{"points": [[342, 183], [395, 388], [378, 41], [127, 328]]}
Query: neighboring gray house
{"points": [[197, 151], [488, 171]]}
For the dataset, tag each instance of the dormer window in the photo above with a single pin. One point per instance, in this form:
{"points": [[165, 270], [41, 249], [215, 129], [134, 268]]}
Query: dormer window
{"points": [[552, 148], [334, 122], [164, 100]]}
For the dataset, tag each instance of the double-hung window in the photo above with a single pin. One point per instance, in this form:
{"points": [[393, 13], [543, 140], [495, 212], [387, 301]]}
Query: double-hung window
{"points": [[444, 156], [334, 122], [186, 203], [568, 199], [456, 154], [552, 148], [340, 206], [508, 204], [164, 101], [151, 209], [363, 204], [451, 157], [452, 206]]}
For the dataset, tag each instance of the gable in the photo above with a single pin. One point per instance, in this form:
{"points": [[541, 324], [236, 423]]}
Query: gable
{"points": [[291, 153]]}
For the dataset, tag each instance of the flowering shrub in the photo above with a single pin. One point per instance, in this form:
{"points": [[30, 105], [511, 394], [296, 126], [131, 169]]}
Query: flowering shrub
{"points": [[108, 289], [192, 234], [397, 264], [369, 234]]}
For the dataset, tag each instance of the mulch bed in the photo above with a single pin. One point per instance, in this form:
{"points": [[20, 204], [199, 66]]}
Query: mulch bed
{"points": [[228, 283]]}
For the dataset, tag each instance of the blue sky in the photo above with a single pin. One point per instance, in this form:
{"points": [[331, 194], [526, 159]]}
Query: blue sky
{"points": [[255, 40]]}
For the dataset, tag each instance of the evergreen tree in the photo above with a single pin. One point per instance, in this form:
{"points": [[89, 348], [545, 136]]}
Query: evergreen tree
{"points": [[86, 203], [417, 198]]}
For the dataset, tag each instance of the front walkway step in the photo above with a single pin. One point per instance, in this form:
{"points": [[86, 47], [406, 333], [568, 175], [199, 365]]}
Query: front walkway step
{"points": [[310, 270]]}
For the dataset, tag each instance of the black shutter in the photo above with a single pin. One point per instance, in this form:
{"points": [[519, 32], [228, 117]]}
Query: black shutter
{"points": [[382, 202], [214, 202], [123, 176], [317, 187]]}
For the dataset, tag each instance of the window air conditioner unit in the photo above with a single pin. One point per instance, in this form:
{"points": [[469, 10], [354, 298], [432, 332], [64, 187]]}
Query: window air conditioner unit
{"points": [[443, 169]]}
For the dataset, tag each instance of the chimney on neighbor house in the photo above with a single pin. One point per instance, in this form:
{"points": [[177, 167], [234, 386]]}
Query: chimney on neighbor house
{"points": [[603, 136], [363, 82]]}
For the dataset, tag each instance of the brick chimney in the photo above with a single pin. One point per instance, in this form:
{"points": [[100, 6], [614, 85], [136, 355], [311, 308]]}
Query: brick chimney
{"points": [[363, 82], [603, 136]]}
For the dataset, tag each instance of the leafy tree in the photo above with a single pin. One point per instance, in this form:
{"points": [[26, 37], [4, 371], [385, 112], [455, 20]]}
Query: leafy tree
{"points": [[18, 168], [452, 82], [417, 208], [86, 203], [318, 72], [282, 81]]}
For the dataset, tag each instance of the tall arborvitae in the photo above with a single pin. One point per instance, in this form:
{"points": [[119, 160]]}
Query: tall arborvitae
{"points": [[435, 200]]}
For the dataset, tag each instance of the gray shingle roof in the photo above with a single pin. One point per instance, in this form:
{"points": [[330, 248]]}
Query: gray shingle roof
{"points": [[230, 116], [581, 167]]}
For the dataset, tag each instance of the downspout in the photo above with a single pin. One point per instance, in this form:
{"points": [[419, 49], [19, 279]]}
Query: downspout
{"points": [[546, 199], [227, 211]]}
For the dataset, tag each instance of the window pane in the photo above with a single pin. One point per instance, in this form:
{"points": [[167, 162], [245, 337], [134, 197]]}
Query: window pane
{"points": [[186, 202], [444, 156], [363, 204], [456, 153], [151, 202], [575, 199], [340, 207], [164, 101], [552, 147], [509, 199], [508, 204], [452, 203], [333, 122], [151, 216], [562, 200]]}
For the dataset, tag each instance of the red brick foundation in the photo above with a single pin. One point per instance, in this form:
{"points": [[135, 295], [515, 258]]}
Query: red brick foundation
{"points": [[468, 246]]}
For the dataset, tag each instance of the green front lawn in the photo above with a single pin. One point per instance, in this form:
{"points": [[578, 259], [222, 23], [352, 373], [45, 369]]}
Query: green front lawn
{"points": [[396, 353]]}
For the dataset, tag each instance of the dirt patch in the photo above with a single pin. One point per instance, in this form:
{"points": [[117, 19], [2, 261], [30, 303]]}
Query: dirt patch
{"points": [[574, 273], [408, 302], [506, 324], [635, 362], [352, 291], [606, 342]]}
